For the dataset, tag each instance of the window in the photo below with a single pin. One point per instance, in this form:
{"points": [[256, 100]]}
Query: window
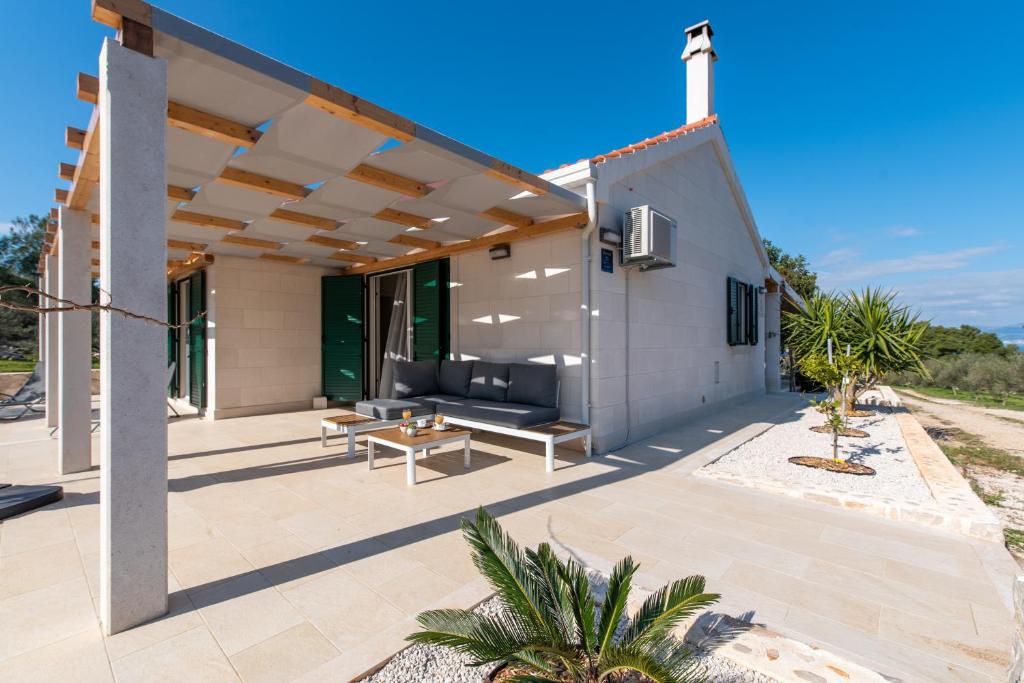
{"points": [[742, 313]]}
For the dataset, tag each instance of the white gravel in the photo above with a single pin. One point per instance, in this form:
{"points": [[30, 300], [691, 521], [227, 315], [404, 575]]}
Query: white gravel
{"points": [[765, 458], [430, 664]]}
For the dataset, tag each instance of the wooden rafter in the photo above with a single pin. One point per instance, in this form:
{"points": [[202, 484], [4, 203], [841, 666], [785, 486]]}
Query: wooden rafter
{"points": [[74, 137], [252, 242], [188, 246], [60, 196], [345, 105], [284, 258], [570, 222], [332, 242], [354, 258], [207, 220], [518, 177], [416, 242], [88, 88], [210, 125], [404, 218], [87, 170], [304, 219], [262, 183], [387, 180], [507, 217], [183, 194], [65, 171], [111, 12], [54, 214]]}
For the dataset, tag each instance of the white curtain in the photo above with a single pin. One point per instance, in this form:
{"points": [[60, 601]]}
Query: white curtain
{"points": [[397, 344]]}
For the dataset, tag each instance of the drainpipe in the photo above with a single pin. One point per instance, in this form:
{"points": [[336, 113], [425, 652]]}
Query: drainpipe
{"points": [[585, 312]]}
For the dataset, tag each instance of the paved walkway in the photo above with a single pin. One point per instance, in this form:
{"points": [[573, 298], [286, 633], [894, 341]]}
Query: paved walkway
{"points": [[289, 562]]}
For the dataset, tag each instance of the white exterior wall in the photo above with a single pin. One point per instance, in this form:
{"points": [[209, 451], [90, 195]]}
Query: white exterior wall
{"points": [[522, 309], [677, 328], [264, 336]]}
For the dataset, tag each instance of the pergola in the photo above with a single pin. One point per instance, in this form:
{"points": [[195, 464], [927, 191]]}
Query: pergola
{"points": [[199, 147]]}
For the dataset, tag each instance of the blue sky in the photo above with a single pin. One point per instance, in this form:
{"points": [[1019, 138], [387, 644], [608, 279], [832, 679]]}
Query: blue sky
{"points": [[884, 141]]}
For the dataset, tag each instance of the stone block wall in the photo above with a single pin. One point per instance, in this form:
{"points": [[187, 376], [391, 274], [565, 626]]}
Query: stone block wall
{"points": [[264, 336]]}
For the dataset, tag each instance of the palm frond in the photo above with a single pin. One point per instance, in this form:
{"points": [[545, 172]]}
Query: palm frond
{"points": [[663, 661], [615, 600], [581, 601], [503, 565], [666, 607], [484, 638], [544, 566]]}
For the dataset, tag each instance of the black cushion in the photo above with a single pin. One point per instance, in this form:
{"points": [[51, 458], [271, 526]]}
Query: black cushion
{"points": [[489, 381], [16, 500], [392, 408], [415, 378], [454, 378], [513, 415], [533, 384]]}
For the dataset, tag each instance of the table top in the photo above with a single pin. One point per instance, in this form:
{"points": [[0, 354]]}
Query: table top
{"points": [[349, 419], [425, 436]]}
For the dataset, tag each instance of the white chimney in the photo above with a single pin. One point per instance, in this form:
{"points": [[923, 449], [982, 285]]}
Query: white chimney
{"points": [[700, 72]]}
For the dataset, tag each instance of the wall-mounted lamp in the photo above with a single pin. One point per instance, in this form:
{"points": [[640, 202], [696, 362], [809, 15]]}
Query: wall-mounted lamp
{"points": [[610, 236], [500, 251]]}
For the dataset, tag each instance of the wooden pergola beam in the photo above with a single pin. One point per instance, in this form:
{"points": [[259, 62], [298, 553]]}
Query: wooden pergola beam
{"points": [[332, 242], [189, 246], [183, 194], [262, 183], [355, 258], [74, 137], [60, 196], [387, 180], [251, 242], [304, 219], [210, 125], [207, 220], [284, 258], [66, 171], [570, 222], [507, 217], [417, 242], [404, 218], [345, 105], [87, 171]]}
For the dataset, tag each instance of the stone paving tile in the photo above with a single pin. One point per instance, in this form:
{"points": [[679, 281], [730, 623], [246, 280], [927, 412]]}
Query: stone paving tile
{"points": [[181, 616], [39, 568], [284, 657], [190, 656], [79, 658], [45, 616]]}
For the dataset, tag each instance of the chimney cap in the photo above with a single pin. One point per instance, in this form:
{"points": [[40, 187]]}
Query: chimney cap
{"points": [[697, 28]]}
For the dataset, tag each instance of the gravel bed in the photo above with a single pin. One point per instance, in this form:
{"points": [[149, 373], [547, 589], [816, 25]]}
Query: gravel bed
{"points": [[430, 664], [766, 458]]}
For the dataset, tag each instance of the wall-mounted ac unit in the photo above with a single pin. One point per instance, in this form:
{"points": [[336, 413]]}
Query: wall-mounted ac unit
{"points": [[648, 239]]}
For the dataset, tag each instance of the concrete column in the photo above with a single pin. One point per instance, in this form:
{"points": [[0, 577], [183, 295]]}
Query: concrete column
{"points": [[772, 341], [74, 344], [52, 357], [133, 261]]}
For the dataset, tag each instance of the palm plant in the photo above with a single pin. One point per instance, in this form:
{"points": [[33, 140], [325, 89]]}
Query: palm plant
{"points": [[552, 629], [871, 330]]}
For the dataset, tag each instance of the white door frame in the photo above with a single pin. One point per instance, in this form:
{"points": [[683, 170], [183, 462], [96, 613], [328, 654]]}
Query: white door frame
{"points": [[373, 306]]}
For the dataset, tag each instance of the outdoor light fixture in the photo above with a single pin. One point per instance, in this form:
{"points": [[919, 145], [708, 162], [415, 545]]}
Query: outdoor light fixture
{"points": [[610, 236], [500, 251]]}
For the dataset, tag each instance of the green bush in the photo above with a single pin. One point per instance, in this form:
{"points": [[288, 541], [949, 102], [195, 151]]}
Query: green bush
{"points": [[974, 372]]}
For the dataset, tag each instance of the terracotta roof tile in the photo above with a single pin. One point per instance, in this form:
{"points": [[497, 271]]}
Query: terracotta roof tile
{"points": [[650, 142]]}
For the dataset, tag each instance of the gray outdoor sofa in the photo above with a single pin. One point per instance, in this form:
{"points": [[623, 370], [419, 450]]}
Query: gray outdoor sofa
{"points": [[515, 399]]}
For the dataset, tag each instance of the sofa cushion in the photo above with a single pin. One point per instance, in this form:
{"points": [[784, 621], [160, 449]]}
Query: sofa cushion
{"points": [[535, 385], [415, 378], [392, 408], [454, 377], [489, 381], [513, 415]]}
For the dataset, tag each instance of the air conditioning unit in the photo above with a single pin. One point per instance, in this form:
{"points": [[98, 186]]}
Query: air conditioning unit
{"points": [[648, 239]]}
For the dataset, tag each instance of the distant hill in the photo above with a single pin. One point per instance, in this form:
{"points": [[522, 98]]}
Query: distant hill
{"points": [[1010, 334]]}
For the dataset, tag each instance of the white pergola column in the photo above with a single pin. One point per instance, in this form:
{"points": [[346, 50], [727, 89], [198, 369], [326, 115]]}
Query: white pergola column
{"points": [[74, 343], [41, 325], [133, 262], [52, 357]]}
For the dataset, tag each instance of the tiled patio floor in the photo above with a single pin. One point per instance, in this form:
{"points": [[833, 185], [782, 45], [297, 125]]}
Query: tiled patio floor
{"points": [[289, 561]]}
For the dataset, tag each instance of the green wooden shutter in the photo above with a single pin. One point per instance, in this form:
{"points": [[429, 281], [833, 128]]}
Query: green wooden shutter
{"points": [[752, 327], [342, 343], [197, 339], [733, 311], [430, 310], [172, 336]]}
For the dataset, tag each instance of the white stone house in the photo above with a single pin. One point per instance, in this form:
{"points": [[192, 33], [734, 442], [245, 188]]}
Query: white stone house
{"points": [[305, 233]]}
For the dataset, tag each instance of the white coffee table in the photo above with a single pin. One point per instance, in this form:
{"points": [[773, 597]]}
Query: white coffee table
{"points": [[424, 441]]}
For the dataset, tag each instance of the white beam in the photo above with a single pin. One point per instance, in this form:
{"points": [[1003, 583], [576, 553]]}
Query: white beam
{"points": [[75, 343], [52, 357], [133, 257]]}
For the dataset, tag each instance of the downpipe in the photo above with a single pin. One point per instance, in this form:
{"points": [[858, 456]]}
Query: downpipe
{"points": [[585, 311]]}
